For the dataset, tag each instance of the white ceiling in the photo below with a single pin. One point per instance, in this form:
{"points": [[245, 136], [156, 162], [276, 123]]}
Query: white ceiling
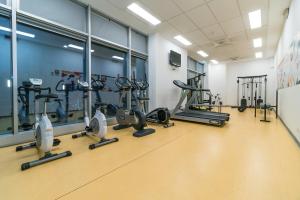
{"points": [[205, 23]]}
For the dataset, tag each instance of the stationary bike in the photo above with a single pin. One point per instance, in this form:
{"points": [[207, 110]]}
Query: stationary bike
{"points": [[43, 129], [97, 126], [158, 115], [130, 118]]}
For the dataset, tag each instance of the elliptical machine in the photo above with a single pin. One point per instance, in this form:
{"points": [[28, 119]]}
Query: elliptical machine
{"points": [[97, 126], [158, 115], [130, 118], [43, 129]]}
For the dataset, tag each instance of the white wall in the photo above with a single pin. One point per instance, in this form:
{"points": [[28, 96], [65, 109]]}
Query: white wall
{"points": [[217, 80], [163, 93], [222, 78], [289, 98], [291, 28]]}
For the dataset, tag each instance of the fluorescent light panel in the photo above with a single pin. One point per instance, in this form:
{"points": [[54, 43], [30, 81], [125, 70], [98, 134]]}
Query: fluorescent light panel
{"points": [[255, 19], [258, 54], [135, 8], [257, 42], [117, 58], [202, 53], [183, 40], [18, 32], [214, 62]]}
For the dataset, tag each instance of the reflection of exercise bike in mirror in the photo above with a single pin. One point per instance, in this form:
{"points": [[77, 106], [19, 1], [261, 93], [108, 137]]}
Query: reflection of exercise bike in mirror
{"points": [[43, 129], [130, 118], [65, 85], [97, 126], [139, 94], [24, 98], [99, 85]]}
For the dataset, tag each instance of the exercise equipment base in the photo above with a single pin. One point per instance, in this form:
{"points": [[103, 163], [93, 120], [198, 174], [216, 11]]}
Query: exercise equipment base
{"points": [[144, 132], [45, 159]]}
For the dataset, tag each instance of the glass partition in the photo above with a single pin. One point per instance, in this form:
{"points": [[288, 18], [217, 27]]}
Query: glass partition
{"points": [[109, 30], [3, 2], [5, 76], [139, 42], [139, 72], [107, 64], [59, 61], [65, 12]]}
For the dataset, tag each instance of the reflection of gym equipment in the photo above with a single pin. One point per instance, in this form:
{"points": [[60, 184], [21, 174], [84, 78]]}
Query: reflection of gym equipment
{"points": [[206, 117], [24, 95], [130, 118], [66, 86], [43, 129], [99, 85], [97, 126], [139, 94]]}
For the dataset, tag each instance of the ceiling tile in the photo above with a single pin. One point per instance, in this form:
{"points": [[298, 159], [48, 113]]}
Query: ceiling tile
{"points": [[233, 26], [202, 16], [261, 32], [166, 30], [214, 32], [121, 3], [197, 37], [251, 5], [224, 9], [183, 24], [188, 5], [166, 9]]}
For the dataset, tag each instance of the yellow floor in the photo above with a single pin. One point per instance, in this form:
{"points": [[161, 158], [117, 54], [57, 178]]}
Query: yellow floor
{"points": [[246, 159]]}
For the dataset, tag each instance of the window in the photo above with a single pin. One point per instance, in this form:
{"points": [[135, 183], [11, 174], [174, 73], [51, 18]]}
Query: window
{"points": [[54, 59], [107, 64], [139, 42], [192, 64], [3, 2], [109, 30], [5, 76], [65, 12]]}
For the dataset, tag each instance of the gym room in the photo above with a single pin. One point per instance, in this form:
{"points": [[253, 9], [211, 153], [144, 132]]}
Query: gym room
{"points": [[150, 99]]}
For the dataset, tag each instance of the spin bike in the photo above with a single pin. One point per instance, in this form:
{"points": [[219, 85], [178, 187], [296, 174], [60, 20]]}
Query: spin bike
{"points": [[97, 126], [43, 129], [130, 118], [158, 115]]}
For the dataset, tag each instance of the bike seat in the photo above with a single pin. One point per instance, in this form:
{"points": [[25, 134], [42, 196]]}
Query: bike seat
{"points": [[48, 96]]}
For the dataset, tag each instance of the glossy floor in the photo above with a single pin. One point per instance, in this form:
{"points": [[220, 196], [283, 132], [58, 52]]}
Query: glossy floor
{"points": [[246, 159]]}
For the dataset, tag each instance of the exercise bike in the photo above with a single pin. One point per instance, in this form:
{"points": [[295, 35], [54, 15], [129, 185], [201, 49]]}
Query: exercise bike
{"points": [[97, 126], [43, 129], [130, 118], [158, 115]]}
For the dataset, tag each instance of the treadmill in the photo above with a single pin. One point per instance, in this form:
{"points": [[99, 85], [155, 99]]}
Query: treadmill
{"points": [[212, 118]]}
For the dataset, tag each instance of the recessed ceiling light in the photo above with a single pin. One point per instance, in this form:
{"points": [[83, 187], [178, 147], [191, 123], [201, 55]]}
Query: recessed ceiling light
{"points": [[258, 54], [118, 58], [183, 40], [255, 19], [143, 14], [257, 42], [202, 53], [214, 62]]}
